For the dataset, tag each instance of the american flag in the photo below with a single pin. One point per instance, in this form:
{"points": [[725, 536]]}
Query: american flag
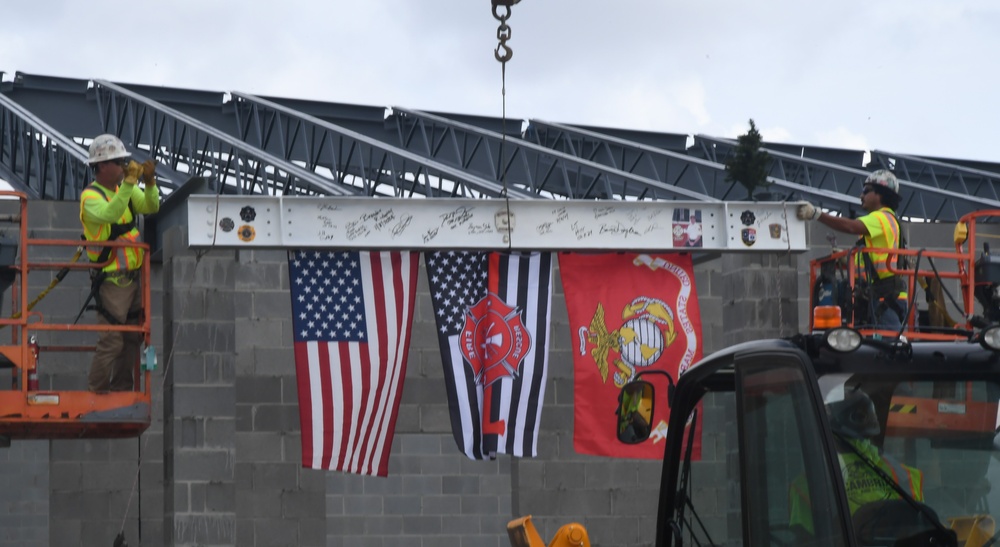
{"points": [[513, 389], [351, 313]]}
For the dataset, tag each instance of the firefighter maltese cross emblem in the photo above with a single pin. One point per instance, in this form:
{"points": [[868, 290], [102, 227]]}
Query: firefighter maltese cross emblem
{"points": [[494, 341], [647, 330]]}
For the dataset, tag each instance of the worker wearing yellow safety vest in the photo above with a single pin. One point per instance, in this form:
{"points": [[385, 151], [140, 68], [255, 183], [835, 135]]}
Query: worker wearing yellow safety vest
{"points": [[881, 300], [108, 211], [854, 422]]}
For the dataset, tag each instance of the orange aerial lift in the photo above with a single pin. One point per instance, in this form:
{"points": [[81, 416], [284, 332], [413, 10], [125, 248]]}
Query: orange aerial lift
{"points": [[26, 411], [955, 409]]}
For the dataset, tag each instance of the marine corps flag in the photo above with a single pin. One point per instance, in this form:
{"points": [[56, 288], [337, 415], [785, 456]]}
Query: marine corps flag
{"points": [[492, 315], [628, 313]]}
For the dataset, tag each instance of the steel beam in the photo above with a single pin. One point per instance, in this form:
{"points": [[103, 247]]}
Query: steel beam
{"points": [[365, 164], [479, 224], [198, 149], [655, 163], [523, 164], [919, 201], [938, 174], [35, 158]]}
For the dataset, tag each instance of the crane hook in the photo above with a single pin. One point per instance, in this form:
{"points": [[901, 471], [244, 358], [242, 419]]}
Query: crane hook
{"points": [[503, 52]]}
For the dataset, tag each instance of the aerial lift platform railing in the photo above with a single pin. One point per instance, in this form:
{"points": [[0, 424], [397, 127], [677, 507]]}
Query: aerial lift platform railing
{"points": [[29, 338], [977, 272], [659, 164], [947, 176], [50, 164], [188, 145], [353, 159], [524, 164], [918, 201]]}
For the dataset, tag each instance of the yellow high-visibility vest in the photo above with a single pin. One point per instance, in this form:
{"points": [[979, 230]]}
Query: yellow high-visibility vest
{"points": [[124, 258]]}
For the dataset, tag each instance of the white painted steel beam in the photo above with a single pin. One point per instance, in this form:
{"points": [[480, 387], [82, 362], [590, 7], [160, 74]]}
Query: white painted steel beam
{"points": [[294, 222]]}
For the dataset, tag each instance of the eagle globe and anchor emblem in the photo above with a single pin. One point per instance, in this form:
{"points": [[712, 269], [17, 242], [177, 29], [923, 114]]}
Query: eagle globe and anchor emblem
{"points": [[647, 330]]}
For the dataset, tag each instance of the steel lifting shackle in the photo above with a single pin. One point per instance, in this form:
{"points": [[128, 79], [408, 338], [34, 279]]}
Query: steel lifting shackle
{"points": [[501, 12]]}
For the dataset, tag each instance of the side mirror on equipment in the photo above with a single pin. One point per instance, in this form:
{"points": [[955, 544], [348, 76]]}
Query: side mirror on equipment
{"points": [[635, 412]]}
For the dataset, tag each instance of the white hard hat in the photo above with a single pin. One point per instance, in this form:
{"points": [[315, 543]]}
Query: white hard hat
{"points": [[884, 177], [106, 148]]}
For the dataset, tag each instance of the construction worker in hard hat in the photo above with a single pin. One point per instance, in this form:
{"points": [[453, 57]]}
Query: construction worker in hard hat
{"points": [[880, 295], [854, 423], [109, 209]]}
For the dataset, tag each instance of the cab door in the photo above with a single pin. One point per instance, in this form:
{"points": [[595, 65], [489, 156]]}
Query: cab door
{"points": [[790, 491]]}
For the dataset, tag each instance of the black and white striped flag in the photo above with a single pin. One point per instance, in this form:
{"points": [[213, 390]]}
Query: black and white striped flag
{"points": [[492, 312]]}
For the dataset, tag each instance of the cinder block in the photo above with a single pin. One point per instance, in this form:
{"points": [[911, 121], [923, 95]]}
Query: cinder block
{"points": [[460, 525], [441, 505], [220, 497], [272, 304], [203, 401], [274, 476], [460, 484], [258, 504], [435, 418], [419, 444], [204, 529], [277, 417], [312, 532], [275, 532], [268, 361], [345, 527], [421, 525], [480, 505], [422, 486], [403, 505], [202, 465], [364, 505], [258, 389], [299, 504], [565, 476], [259, 332], [259, 447]]}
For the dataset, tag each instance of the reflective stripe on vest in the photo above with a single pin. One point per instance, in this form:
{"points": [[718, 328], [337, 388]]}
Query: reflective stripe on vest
{"points": [[890, 231], [124, 258]]}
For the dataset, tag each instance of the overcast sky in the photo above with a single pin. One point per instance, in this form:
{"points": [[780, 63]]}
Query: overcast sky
{"points": [[909, 76]]}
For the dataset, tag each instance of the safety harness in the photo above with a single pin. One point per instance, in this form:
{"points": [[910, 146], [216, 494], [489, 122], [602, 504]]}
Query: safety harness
{"points": [[97, 277], [873, 289]]}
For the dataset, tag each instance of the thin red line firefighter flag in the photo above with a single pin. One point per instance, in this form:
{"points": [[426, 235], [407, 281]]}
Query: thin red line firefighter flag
{"points": [[628, 313], [352, 313], [492, 312]]}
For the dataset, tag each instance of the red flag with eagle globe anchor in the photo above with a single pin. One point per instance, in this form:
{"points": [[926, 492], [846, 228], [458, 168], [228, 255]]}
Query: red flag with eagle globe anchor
{"points": [[492, 315], [628, 313]]}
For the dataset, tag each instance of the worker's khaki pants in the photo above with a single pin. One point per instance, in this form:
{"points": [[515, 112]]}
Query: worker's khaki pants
{"points": [[117, 352]]}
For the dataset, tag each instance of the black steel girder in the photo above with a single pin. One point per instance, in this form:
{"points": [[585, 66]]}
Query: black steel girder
{"points": [[35, 158], [522, 164], [198, 149], [919, 201], [654, 163], [937, 174], [361, 162]]}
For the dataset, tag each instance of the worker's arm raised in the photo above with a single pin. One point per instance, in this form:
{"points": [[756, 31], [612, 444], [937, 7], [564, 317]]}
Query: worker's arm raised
{"points": [[807, 211]]}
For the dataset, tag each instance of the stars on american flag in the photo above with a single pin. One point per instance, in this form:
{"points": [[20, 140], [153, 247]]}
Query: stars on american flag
{"points": [[327, 297], [461, 277]]}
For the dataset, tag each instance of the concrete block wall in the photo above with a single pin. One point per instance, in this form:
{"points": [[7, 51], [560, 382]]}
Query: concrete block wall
{"points": [[24, 502], [76, 492], [221, 464]]}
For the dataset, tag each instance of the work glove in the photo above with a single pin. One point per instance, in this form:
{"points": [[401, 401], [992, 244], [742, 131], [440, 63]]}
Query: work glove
{"points": [[807, 211], [132, 172], [149, 172]]}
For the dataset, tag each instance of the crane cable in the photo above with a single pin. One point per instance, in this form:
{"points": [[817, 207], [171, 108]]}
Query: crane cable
{"points": [[503, 53]]}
